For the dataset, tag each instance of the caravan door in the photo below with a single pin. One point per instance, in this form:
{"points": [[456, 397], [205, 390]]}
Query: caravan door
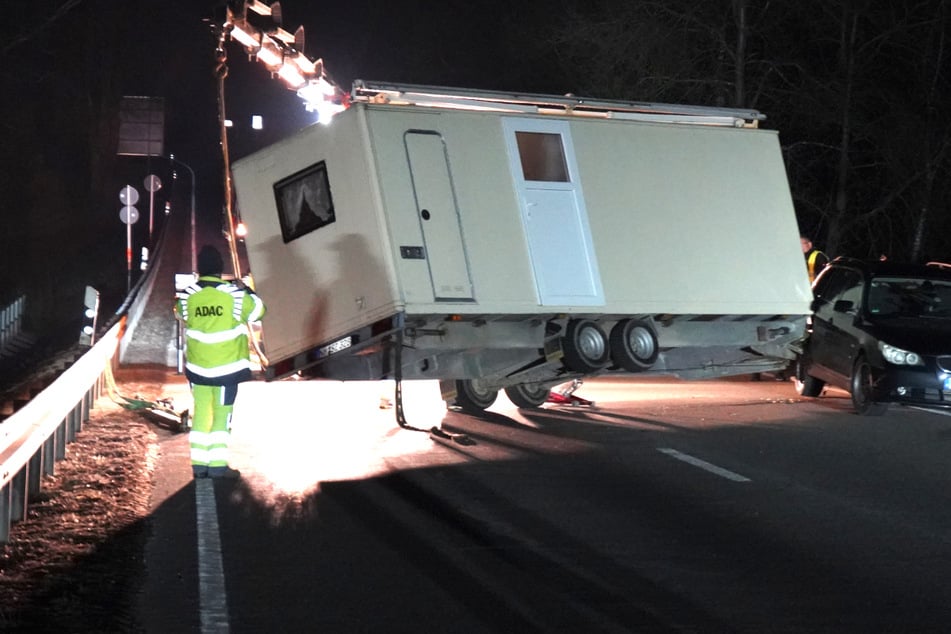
{"points": [[553, 212], [438, 216]]}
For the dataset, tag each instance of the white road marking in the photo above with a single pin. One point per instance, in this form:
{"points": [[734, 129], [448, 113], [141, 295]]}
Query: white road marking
{"points": [[703, 464], [212, 599], [930, 410]]}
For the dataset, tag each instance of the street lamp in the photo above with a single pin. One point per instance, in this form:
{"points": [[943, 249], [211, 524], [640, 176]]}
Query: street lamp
{"points": [[172, 158]]}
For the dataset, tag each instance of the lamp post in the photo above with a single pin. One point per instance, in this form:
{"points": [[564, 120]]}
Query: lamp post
{"points": [[172, 158]]}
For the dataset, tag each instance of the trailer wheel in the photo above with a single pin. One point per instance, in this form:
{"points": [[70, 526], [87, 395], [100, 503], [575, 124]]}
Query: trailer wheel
{"points": [[585, 346], [528, 395], [472, 397], [633, 345]]}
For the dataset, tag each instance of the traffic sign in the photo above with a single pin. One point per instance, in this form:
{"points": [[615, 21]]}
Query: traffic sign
{"points": [[128, 195], [152, 183], [129, 215]]}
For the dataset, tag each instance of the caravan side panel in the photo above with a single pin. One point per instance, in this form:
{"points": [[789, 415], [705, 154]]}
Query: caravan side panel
{"points": [[684, 219], [692, 219], [336, 278], [491, 234]]}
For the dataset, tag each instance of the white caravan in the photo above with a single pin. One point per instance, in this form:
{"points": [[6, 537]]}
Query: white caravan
{"points": [[505, 241]]}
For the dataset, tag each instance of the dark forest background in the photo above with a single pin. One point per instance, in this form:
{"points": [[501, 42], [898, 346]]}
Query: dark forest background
{"points": [[859, 90]]}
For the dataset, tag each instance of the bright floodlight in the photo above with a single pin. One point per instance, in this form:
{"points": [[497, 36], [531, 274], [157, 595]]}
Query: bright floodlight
{"points": [[281, 52], [318, 96]]}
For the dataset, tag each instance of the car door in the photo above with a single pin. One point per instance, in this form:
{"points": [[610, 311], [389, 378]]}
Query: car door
{"points": [[843, 341], [833, 338]]}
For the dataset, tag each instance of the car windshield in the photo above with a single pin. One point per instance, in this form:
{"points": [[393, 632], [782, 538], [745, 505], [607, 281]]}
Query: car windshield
{"points": [[909, 297]]}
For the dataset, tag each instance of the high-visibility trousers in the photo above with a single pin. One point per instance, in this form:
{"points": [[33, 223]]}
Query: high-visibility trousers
{"points": [[211, 425]]}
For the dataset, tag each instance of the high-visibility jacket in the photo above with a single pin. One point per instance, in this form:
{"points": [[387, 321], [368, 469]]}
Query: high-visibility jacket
{"points": [[215, 314], [816, 260]]}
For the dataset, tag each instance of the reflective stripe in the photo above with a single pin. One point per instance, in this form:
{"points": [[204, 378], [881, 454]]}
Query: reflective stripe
{"points": [[216, 337], [215, 457], [220, 370], [208, 438], [218, 457], [199, 456], [219, 438], [258, 311], [237, 306], [209, 448]]}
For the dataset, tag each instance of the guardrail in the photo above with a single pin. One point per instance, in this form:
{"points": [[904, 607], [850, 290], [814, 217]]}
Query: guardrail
{"points": [[35, 437], [10, 320]]}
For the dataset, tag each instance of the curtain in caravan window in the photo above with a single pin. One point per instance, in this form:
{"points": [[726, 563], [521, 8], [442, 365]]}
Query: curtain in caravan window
{"points": [[304, 202]]}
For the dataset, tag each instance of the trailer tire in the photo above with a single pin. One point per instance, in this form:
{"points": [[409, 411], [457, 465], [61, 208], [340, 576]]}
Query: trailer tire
{"points": [[633, 345], [472, 397], [585, 346], [528, 395]]}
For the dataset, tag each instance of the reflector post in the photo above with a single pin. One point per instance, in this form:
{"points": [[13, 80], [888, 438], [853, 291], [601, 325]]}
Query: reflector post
{"points": [[87, 335]]}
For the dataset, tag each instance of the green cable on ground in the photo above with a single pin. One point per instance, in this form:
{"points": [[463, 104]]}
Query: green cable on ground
{"points": [[134, 404], [129, 403]]}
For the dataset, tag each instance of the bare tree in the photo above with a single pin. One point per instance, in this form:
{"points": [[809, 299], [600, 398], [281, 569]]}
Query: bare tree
{"points": [[857, 88]]}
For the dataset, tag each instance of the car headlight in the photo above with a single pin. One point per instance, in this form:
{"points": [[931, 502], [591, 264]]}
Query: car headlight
{"points": [[899, 356]]}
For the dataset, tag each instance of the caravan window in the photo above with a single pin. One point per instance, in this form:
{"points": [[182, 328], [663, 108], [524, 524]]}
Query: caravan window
{"points": [[542, 156], [304, 203]]}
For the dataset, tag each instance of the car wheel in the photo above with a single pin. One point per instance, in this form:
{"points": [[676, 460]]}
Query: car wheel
{"points": [[633, 345], [862, 390], [472, 397], [528, 395], [585, 346], [807, 385]]}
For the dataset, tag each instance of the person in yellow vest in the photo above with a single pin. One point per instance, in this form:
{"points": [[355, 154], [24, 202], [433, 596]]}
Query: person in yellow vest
{"points": [[215, 315], [816, 260]]}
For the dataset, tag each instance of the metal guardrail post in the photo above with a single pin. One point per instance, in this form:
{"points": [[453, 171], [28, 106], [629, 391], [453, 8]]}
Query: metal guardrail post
{"points": [[59, 444], [49, 456], [18, 496], [10, 316], [6, 502], [73, 425], [34, 475]]}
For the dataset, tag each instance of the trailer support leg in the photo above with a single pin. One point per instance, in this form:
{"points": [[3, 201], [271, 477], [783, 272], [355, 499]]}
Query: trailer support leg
{"points": [[436, 433]]}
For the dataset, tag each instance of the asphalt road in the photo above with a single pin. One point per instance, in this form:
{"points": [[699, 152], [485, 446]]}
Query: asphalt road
{"points": [[669, 506], [711, 506]]}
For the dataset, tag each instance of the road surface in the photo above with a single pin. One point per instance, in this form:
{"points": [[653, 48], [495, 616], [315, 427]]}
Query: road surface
{"points": [[725, 505]]}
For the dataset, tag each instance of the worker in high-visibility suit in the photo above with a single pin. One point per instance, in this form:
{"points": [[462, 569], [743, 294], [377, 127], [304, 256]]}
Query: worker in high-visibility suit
{"points": [[215, 315], [816, 260]]}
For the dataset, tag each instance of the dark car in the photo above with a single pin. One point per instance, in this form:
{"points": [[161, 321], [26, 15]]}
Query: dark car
{"points": [[881, 331]]}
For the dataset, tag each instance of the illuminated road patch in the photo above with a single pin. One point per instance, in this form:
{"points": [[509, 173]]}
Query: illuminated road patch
{"points": [[289, 436]]}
